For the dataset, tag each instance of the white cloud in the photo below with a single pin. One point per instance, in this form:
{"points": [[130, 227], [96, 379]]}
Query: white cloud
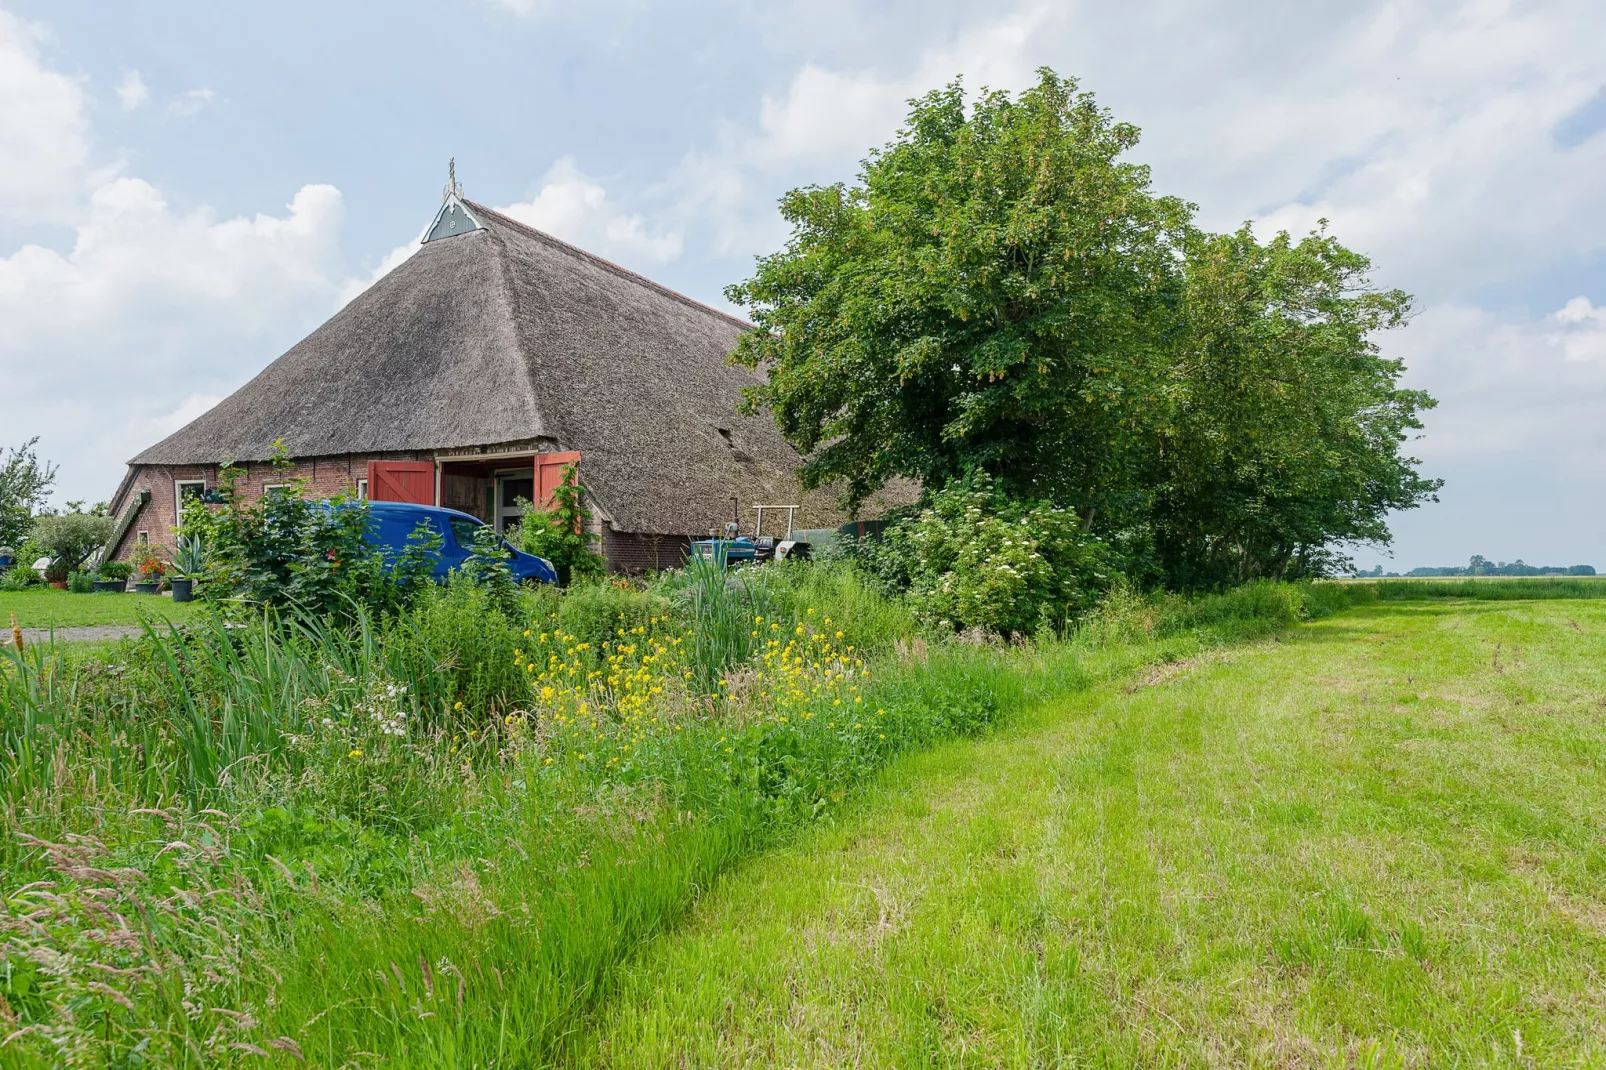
{"points": [[575, 207], [148, 314], [132, 93], [827, 120], [1583, 335], [44, 129], [149, 305], [191, 103]]}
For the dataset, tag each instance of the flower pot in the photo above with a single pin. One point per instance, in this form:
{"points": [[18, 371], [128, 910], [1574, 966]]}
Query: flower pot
{"points": [[110, 586], [145, 588], [60, 585], [183, 588]]}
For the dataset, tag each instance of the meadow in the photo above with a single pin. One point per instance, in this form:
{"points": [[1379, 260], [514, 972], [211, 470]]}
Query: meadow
{"points": [[1372, 841], [43, 607], [468, 837]]}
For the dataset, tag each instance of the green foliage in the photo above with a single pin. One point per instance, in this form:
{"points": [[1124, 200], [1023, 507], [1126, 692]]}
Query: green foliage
{"points": [[595, 612], [80, 583], [115, 570], [487, 565], [1287, 425], [307, 556], [559, 535], [69, 539], [191, 556], [379, 793], [455, 645], [997, 295], [18, 577], [723, 608], [974, 557], [1004, 293], [25, 483]]}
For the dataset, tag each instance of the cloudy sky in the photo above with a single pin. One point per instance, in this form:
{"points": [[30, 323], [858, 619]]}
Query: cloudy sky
{"points": [[187, 188]]}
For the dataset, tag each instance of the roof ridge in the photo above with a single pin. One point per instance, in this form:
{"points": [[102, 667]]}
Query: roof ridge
{"points": [[603, 262]]}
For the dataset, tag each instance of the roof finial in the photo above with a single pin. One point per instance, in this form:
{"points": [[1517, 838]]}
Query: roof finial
{"points": [[453, 188]]}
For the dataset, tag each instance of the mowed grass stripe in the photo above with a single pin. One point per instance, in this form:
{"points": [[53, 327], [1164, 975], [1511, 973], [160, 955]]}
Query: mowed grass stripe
{"points": [[1378, 841]]}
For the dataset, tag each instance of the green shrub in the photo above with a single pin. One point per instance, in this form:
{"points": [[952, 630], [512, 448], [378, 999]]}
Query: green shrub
{"points": [[455, 645], [18, 577], [558, 533], [80, 583], [311, 558], [975, 558], [869, 617], [116, 570]]}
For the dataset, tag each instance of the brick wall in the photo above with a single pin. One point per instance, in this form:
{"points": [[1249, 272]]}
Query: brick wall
{"points": [[326, 477], [629, 552]]}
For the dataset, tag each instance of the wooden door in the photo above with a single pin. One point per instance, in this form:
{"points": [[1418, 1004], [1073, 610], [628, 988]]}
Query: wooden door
{"points": [[549, 474], [402, 481]]}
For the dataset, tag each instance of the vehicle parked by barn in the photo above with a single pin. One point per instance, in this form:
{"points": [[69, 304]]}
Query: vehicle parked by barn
{"points": [[391, 524]]}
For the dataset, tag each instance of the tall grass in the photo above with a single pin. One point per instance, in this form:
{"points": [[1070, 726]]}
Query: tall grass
{"points": [[391, 849]]}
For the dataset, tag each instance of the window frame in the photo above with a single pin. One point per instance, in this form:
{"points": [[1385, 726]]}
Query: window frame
{"points": [[178, 495]]}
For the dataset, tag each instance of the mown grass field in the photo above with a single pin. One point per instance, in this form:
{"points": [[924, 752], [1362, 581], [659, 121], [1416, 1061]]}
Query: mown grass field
{"points": [[49, 608], [1378, 840]]}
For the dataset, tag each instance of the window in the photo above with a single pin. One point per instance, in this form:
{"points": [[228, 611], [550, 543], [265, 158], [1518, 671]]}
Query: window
{"points": [[274, 488], [183, 491], [463, 531], [362, 490], [143, 538]]}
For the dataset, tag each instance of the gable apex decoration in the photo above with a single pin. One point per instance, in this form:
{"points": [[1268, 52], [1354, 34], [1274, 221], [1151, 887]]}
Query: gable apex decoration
{"points": [[454, 217]]}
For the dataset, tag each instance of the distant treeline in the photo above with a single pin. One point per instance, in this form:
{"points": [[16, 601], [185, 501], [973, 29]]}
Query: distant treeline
{"points": [[1482, 566]]}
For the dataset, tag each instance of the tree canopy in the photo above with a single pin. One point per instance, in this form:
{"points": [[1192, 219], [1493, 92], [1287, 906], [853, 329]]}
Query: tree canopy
{"points": [[1004, 292], [25, 483]]}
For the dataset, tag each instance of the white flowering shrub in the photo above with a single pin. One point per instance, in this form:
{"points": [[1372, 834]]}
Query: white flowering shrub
{"points": [[975, 558]]}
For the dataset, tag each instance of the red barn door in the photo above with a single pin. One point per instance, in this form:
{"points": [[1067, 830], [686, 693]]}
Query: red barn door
{"points": [[549, 474], [402, 481]]}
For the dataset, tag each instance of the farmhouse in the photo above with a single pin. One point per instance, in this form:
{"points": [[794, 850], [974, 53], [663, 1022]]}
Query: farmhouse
{"points": [[471, 374]]}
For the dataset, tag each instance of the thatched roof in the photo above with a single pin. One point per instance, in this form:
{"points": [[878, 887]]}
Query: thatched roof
{"points": [[505, 334]]}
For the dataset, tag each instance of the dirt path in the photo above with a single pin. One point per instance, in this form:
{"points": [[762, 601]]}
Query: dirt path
{"points": [[98, 633]]}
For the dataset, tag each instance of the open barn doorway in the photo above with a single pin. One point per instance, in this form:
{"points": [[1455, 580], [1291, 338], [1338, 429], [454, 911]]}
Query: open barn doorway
{"points": [[495, 488]]}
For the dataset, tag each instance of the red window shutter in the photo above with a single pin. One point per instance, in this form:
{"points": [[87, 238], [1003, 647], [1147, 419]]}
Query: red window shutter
{"points": [[402, 481], [549, 474]]}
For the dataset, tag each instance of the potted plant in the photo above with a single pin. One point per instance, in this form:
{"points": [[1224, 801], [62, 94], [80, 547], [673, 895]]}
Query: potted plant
{"points": [[112, 577], [189, 564], [151, 570]]}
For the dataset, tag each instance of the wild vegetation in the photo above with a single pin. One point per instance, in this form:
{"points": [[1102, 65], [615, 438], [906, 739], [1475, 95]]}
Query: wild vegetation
{"points": [[462, 820]]}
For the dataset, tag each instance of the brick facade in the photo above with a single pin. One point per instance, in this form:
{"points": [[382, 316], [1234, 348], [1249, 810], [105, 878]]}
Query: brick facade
{"points": [[326, 477]]}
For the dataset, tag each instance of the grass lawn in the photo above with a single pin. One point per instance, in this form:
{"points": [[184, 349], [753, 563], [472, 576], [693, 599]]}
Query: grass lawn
{"points": [[1379, 841], [46, 608]]}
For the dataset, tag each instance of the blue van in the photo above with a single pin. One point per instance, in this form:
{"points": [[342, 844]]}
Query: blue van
{"points": [[391, 523]]}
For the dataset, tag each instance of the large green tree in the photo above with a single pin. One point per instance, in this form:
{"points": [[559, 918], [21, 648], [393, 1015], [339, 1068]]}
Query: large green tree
{"points": [[998, 293], [1003, 292], [1287, 425]]}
